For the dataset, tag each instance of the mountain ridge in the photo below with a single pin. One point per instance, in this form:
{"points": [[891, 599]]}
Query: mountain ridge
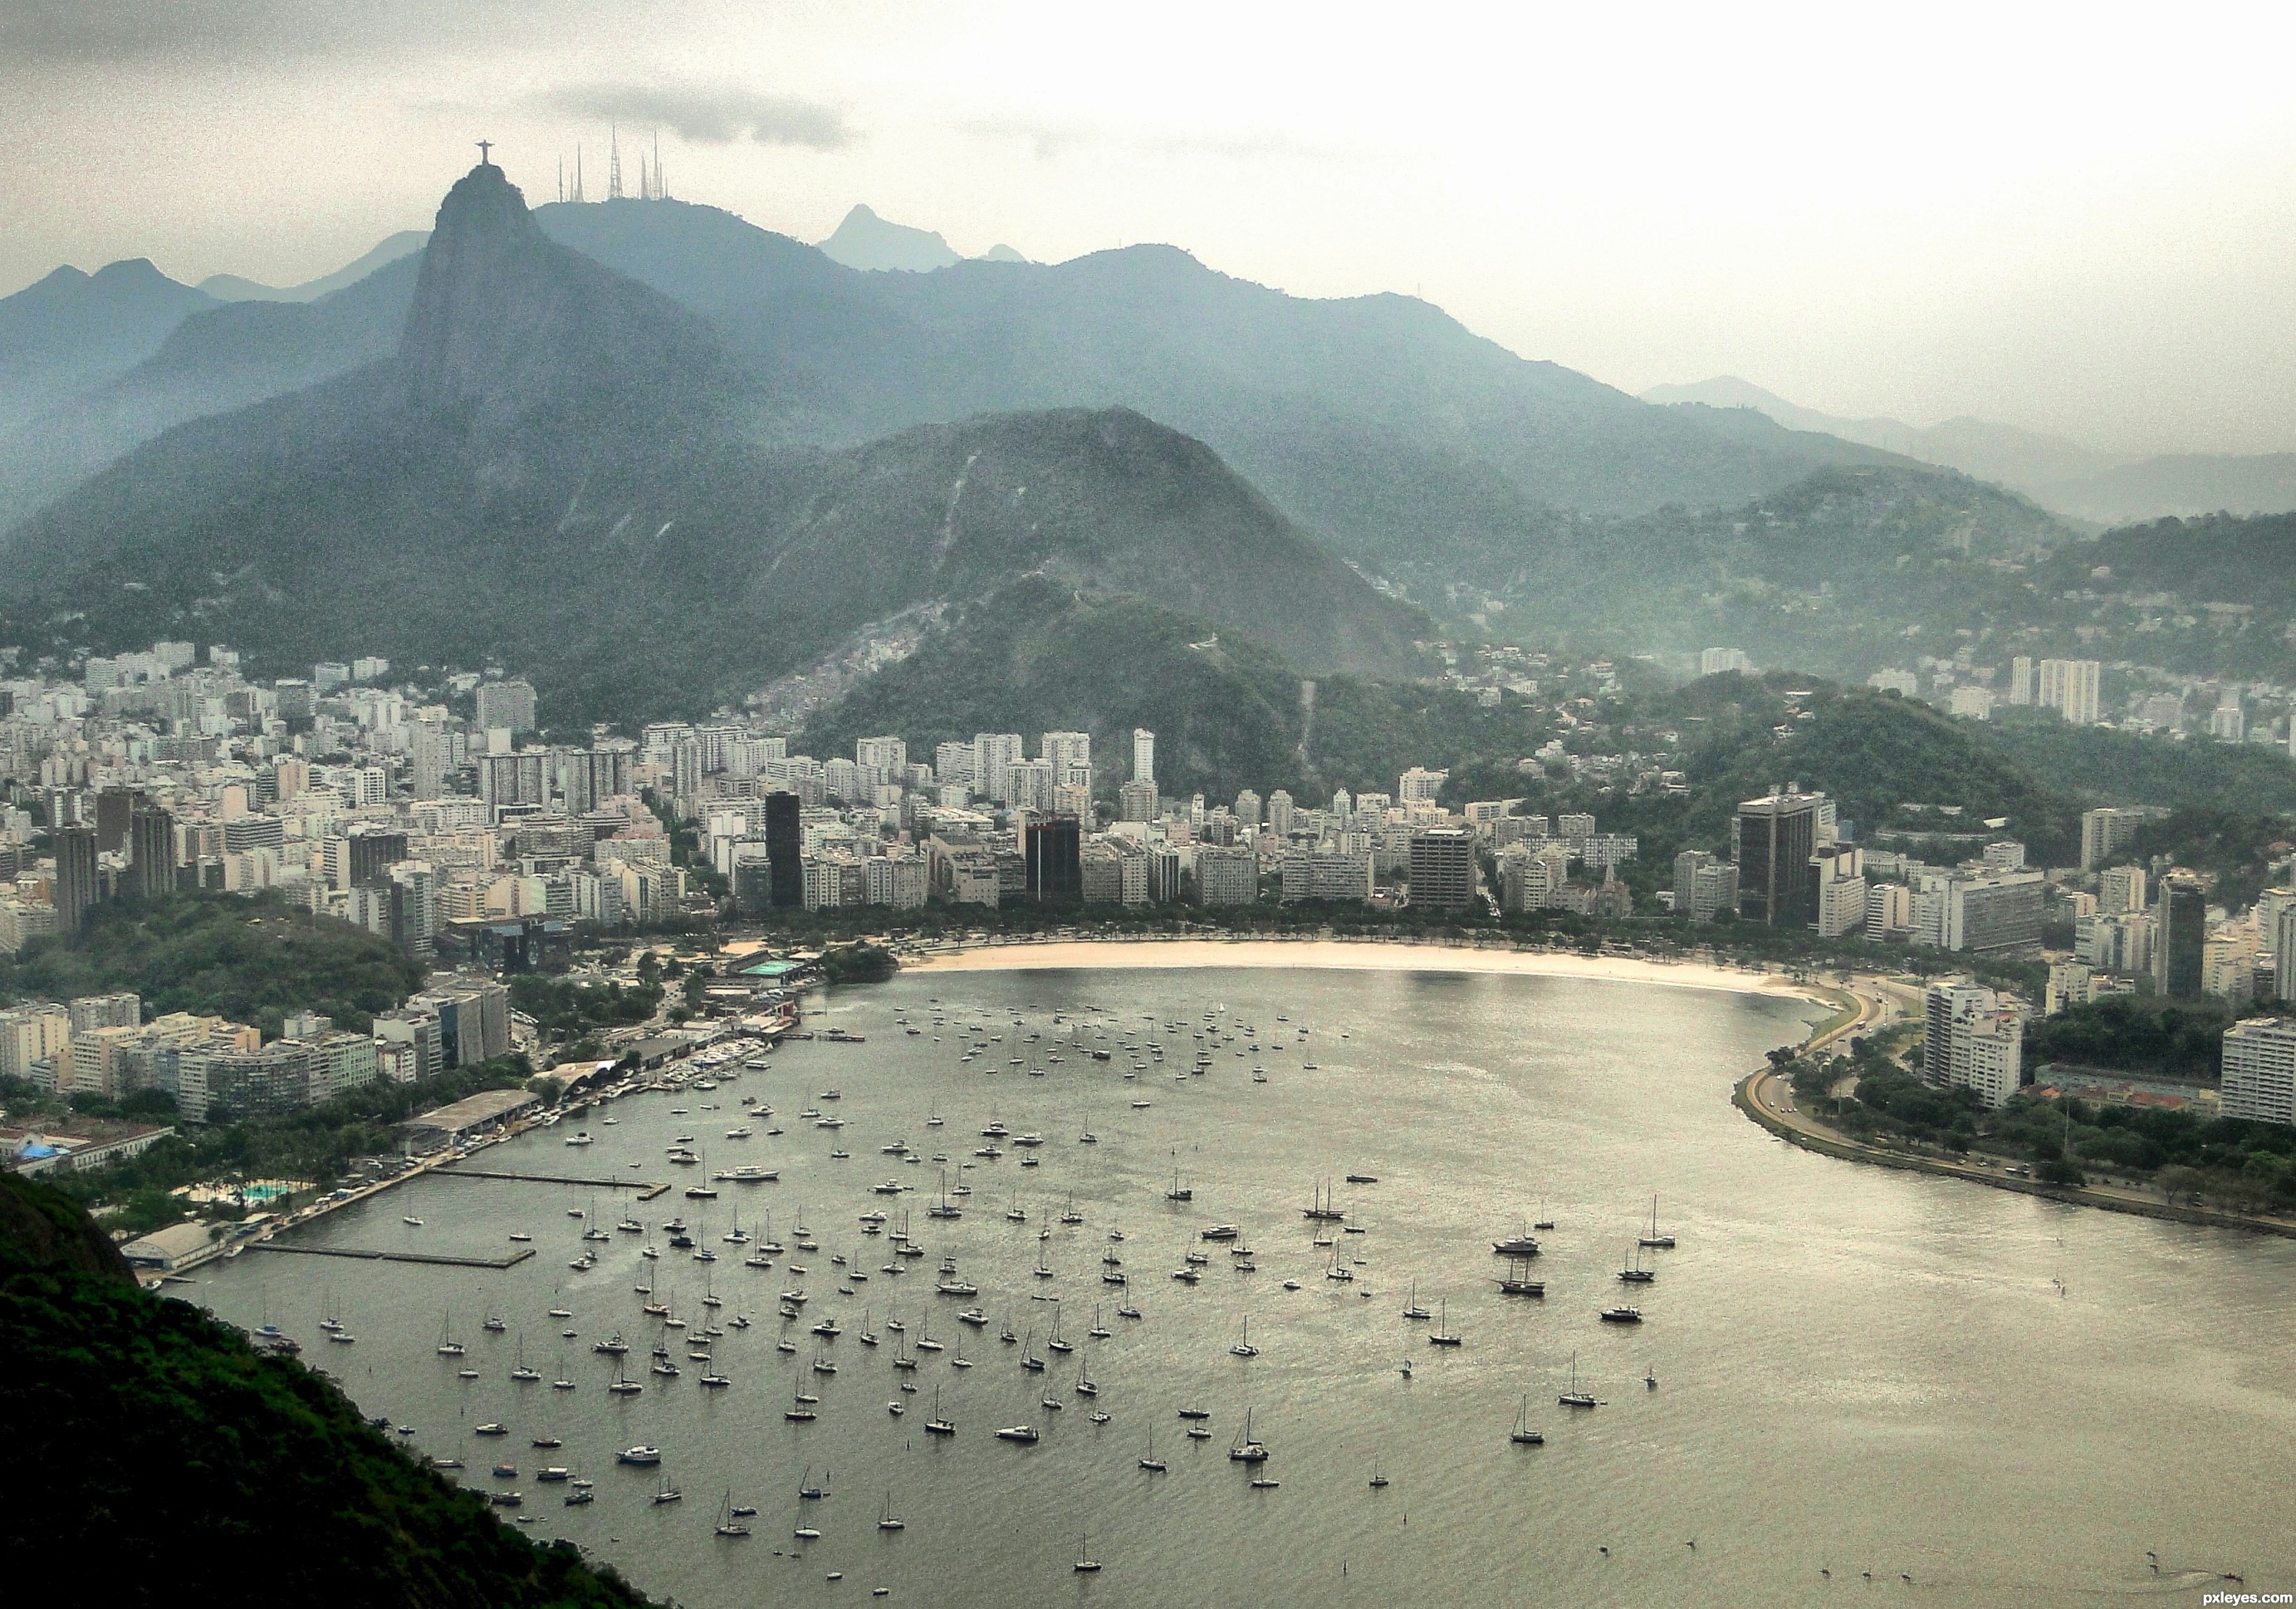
{"points": [[2074, 481], [549, 438]]}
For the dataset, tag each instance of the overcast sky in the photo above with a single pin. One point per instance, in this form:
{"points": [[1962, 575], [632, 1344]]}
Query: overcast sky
{"points": [[2067, 219]]}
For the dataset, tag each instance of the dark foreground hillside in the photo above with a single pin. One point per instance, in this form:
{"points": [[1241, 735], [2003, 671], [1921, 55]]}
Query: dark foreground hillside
{"points": [[157, 1459]]}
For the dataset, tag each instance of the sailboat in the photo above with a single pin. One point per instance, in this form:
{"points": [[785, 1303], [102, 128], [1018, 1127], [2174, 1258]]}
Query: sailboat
{"points": [[1179, 1192], [521, 1370], [937, 1425], [1149, 1461], [1086, 1564], [887, 1520], [1244, 1348], [1574, 1397], [1247, 1450], [1518, 1281], [1523, 1434], [1635, 1273], [1655, 1239], [1322, 1208], [448, 1347], [1442, 1335], [727, 1525], [1378, 1479], [1414, 1311]]}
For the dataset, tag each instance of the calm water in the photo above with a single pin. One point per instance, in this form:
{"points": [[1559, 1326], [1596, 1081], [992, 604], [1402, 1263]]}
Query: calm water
{"points": [[2008, 1400]]}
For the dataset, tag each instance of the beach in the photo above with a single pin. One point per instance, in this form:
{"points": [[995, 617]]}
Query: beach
{"points": [[1341, 955]]}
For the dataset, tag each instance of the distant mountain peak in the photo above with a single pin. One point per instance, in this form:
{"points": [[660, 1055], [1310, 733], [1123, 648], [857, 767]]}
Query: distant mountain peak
{"points": [[866, 241]]}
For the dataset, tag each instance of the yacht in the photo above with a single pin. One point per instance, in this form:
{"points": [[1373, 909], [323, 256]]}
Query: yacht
{"points": [[1574, 1397], [1622, 1315], [1516, 1245], [1523, 1434]]}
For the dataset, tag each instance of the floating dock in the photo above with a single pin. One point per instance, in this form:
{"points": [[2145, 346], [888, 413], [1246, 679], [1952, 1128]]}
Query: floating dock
{"points": [[516, 1257], [647, 1189]]}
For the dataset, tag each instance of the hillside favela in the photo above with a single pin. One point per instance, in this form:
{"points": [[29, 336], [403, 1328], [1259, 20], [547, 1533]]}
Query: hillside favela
{"points": [[975, 804]]}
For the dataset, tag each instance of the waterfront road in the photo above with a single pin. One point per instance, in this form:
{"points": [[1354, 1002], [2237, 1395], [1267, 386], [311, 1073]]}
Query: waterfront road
{"points": [[1767, 1097]]}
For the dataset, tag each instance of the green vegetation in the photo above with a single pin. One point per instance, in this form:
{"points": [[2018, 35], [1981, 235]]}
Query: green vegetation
{"points": [[2135, 1034], [252, 960], [316, 1144], [564, 1008], [860, 962], [2100, 767], [2244, 1166], [177, 1465]]}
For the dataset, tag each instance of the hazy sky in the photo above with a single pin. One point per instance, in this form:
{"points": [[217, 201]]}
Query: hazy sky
{"points": [[2069, 218]]}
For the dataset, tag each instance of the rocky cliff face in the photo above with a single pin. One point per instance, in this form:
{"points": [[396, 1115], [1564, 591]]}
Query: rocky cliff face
{"points": [[508, 328]]}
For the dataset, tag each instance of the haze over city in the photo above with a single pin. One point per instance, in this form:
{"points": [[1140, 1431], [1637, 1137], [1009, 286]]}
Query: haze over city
{"points": [[998, 803], [2078, 223]]}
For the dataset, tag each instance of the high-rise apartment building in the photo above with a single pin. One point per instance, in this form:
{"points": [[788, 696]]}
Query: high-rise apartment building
{"points": [[1143, 755], [2105, 832], [886, 756], [2021, 680], [1705, 885], [1227, 877], [2258, 1070], [506, 706], [2070, 687], [2283, 953], [1445, 875], [2122, 889], [1947, 1007]]}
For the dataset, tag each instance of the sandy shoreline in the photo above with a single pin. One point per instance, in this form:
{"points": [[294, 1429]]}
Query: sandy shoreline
{"points": [[1360, 956]]}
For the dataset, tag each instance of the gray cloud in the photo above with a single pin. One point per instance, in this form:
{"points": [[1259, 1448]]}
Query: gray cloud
{"points": [[69, 33], [1048, 140], [711, 115]]}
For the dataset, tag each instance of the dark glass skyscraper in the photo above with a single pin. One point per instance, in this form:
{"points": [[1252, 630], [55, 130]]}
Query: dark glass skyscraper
{"points": [[784, 851], [1777, 836], [2180, 948], [76, 884], [1055, 851], [150, 852]]}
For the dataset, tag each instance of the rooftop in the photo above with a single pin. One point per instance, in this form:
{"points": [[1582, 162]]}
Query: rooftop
{"points": [[473, 1111]]}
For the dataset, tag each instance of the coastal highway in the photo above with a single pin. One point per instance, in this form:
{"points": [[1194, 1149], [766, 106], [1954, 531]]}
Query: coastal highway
{"points": [[1767, 1097]]}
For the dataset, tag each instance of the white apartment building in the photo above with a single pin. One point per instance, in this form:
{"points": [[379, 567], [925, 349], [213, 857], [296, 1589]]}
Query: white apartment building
{"points": [[2259, 1070]]}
